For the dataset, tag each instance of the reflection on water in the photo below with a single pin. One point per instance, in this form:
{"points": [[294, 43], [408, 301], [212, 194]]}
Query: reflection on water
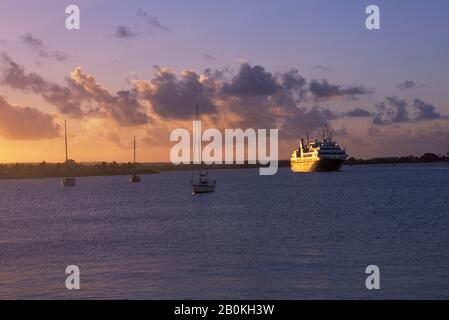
{"points": [[288, 236]]}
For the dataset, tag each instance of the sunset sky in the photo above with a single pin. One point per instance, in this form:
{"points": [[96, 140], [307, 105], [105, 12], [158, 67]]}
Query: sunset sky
{"points": [[138, 68]]}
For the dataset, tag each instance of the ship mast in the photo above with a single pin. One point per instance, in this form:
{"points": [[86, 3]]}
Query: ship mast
{"points": [[326, 136]]}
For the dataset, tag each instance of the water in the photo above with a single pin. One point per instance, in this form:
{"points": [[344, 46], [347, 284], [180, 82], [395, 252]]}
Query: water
{"points": [[288, 236]]}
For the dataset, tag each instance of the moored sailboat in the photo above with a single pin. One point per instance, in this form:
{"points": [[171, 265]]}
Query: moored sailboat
{"points": [[201, 183], [134, 178], [67, 181]]}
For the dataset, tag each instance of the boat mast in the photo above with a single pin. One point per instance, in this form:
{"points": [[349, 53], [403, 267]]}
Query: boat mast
{"points": [[447, 135], [66, 152], [199, 135], [197, 149], [134, 152]]}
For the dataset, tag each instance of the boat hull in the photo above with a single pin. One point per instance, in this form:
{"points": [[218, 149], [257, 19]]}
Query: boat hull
{"points": [[203, 188], [68, 182], [317, 165], [135, 179]]}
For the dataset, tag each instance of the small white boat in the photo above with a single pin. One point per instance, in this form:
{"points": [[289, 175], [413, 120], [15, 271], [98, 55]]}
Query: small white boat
{"points": [[203, 184], [67, 181], [134, 178]]}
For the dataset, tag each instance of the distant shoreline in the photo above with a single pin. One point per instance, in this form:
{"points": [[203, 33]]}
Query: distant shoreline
{"points": [[57, 170], [40, 171]]}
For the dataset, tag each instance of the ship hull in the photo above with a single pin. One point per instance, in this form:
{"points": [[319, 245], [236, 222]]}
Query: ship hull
{"points": [[319, 165]]}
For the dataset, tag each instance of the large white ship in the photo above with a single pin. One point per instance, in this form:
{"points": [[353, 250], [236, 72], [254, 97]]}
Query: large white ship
{"points": [[320, 155]]}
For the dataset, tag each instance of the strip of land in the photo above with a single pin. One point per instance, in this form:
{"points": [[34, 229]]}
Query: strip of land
{"points": [[54, 170]]}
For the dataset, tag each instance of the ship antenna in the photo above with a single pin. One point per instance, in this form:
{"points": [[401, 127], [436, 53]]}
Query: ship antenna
{"points": [[325, 134]]}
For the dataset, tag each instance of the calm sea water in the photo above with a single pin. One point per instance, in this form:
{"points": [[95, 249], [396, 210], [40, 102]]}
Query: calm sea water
{"points": [[288, 236]]}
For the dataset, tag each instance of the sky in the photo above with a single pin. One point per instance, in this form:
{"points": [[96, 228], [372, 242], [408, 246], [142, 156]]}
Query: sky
{"points": [[138, 68]]}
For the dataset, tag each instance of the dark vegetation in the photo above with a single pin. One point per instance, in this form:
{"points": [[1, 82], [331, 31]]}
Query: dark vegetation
{"points": [[49, 170]]}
